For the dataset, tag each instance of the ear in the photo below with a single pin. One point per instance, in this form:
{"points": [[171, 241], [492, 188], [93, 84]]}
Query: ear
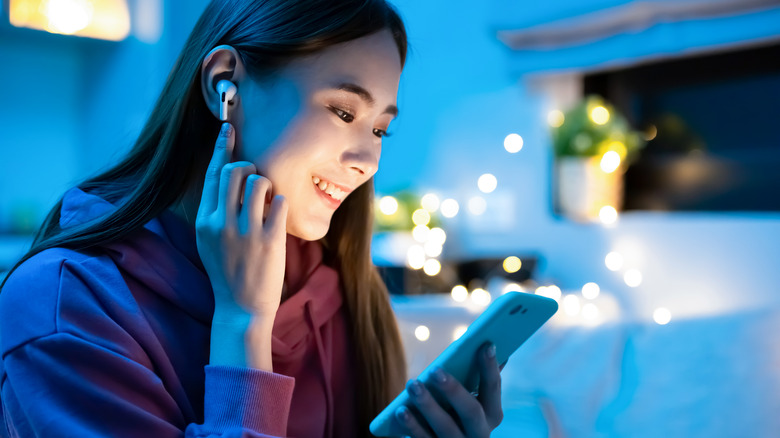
{"points": [[222, 62]]}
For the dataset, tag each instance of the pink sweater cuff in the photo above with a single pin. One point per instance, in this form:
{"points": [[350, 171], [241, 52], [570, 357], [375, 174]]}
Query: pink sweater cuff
{"points": [[247, 398]]}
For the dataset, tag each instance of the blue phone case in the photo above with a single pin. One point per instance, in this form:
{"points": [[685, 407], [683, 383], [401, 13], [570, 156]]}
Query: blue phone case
{"points": [[507, 322]]}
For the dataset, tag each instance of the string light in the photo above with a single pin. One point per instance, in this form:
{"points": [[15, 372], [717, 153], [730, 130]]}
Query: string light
{"points": [[388, 205], [432, 267], [421, 217], [613, 261], [633, 277], [590, 291], [513, 143], [487, 183], [512, 264], [422, 333], [459, 293], [449, 208], [555, 118], [662, 316], [430, 202]]}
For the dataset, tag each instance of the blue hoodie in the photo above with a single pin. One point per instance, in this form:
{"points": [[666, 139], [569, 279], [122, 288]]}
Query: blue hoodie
{"points": [[114, 341]]}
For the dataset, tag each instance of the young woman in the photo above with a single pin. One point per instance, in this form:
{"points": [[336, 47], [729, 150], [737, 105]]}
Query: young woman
{"points": [[196, 289]]}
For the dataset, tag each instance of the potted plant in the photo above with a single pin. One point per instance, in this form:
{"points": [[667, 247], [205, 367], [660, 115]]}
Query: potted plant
{"points": [[593, 145]]}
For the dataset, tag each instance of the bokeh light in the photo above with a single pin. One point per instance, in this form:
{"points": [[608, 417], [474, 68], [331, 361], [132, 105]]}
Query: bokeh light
{"points": [[590, 311], [610, 161], [633, 277], [459, 331], [415, 257], [487, 183], [512, 287], [430, 202], [422, 333], [513, 143], [477, 205], [421, 233], [421, 217], [662, 316], [480, 297], [388, 205], [590, 291], [449, 208], [432, 249], [459, 293], [599, 115], [555, 118], [512, 264], [613, 261], [608, 215], [437, 235], [432, 267], [571, 305]]}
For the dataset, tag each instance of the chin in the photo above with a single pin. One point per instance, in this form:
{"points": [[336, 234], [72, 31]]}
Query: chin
{"points": [[310, 233]]}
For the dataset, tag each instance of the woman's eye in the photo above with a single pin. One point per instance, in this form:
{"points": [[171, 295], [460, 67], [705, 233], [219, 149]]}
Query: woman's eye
{"points": [[381, 133], [343, 115]]}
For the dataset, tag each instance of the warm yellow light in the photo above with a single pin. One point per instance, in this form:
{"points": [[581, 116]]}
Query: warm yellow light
{"points": [[662, 316], [608, 215], [449, 208], [437, 235], [633, 277], [432, 267], [487, 183], [388, 205], [421, 217], [422, 333], [459, 331], [610, 161], [599, 115], [415, 257], [512, 264], [619, 147], [460, 293], [430, 202], [553, 292], [102, 19], [555, 118], [590, 291], [480, 297], [420, 233], [513, 143], [477, 205]]}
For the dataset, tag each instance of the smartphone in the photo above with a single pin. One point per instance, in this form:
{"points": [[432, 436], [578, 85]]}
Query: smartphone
{"points": [[507, 322]]}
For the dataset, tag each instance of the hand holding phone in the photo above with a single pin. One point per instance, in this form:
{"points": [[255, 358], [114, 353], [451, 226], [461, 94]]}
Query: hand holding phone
{"points": [[506, 324]]}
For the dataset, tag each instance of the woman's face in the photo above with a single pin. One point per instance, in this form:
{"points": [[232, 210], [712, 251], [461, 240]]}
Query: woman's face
{"points": [[315, 129]]}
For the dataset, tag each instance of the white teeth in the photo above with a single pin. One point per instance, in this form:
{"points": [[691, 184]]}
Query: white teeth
{"points": [[329, 188]]}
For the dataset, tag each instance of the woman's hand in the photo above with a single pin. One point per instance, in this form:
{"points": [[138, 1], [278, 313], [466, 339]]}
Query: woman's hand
{"points": [[472, 416], [242, 245]]}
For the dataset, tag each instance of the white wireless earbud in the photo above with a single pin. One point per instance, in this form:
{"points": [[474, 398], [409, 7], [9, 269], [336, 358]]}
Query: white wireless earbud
{"points": [[227, 91]]}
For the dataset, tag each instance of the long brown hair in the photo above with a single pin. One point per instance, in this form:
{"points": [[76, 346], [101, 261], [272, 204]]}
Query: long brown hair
{"points": [[173, 149]]}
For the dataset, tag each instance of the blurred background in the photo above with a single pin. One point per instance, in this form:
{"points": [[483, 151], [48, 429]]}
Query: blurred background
{"points": [[618, 156]]}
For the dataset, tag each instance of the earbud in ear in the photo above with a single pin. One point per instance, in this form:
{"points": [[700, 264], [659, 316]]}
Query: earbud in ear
{"points": [[227, 91]]}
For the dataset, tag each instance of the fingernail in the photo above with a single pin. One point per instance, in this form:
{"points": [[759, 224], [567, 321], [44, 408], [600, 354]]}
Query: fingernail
{"points": [[491, 352], [415, 388], [439, 375], [226, 130], [402, 413]]}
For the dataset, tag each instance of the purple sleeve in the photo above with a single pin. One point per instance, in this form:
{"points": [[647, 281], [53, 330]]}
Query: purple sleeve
{"points": [[62, 385]]}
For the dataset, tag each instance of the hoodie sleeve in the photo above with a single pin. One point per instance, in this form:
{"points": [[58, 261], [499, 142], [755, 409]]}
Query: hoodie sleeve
{"points": [[62, 383]]}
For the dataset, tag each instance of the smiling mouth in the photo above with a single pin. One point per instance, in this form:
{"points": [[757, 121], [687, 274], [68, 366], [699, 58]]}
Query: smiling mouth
{"points": [[329, 189]]}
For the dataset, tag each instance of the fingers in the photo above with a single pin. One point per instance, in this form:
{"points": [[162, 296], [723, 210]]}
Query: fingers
{"points": [[438, 419], [490, 385], [468, 410], [230, 182], [223, 150], [412, 427], [256, 196], [276, 221]]}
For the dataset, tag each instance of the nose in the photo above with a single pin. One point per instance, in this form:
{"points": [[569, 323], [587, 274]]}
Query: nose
{"points": [[362, 159]]}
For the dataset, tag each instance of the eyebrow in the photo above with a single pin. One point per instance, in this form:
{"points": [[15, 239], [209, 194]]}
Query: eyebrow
{"points": [[365, 95]]}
